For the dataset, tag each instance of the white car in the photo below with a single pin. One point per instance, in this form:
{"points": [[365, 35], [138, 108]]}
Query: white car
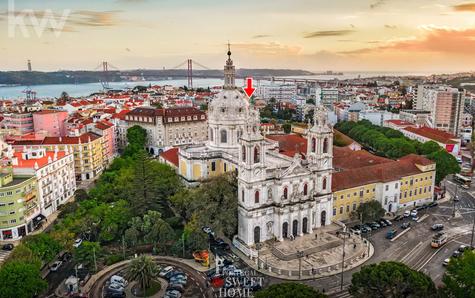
{"points": [[115, 287], [165, 271], [77, 242], [407, 213], [55, 266], [116, 279], [446, 262], [415, 218], [172, 294], [413, 213]]}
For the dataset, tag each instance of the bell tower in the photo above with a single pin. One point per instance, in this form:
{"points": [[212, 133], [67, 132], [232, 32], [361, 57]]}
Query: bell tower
{"points": [[229, 72], [320, 140]]}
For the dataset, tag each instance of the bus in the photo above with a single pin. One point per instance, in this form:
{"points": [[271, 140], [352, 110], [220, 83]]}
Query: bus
{"points": [[463, 180], [438, 240]]}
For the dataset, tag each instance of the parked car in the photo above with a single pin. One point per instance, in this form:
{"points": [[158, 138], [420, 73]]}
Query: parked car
{"points": [[65, 257], [414, 213], [176, 273], [117, 279], [407, 213], [55, 266], [463, 248], [433, 204], [367, 227], [8, 246], [446, 262], [114, 294], [437, 227], [415, 218], [113, 287], [77, 242], [356, 231], [165, 271], [176, 280], [398, 218], [465, 186], [364, 230], [387, 222], [391, 233], [382, 223], [172, 294], [375, 224], [208, 230], [221, 244], [177, 287], [456, 254], [405, 225]]}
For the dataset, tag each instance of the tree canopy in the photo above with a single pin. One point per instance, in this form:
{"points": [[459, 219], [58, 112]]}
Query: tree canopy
{"points": [[21, 279], [391, 279], [369, 211], [459, 279], [289, 290]]}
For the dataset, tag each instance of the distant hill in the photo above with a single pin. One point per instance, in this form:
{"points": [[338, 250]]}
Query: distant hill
{"points": [[80, 77]]}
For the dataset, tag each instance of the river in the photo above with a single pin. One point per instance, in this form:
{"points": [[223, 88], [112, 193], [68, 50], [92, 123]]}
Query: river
{"points": [[77, 90]]}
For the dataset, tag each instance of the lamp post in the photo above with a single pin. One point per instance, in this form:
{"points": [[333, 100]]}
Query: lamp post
{"points": [[344, 234], [300, 256], [455, 199]]}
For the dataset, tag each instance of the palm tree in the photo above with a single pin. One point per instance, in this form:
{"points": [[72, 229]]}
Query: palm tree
{"points": [[142, 270]]}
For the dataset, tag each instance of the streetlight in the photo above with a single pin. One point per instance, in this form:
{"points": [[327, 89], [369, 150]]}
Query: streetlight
{"points": [[300, 256], [344, 234], [455, 198]]}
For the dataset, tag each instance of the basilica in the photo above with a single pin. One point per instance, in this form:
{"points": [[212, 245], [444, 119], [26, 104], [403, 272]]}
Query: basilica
{"points": [[281, 193]]}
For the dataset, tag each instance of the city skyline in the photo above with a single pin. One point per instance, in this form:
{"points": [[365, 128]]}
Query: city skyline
{"points": [[377, 35]]}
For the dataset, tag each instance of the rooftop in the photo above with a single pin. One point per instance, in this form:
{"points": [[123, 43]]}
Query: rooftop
{"points": [[434, 134]]}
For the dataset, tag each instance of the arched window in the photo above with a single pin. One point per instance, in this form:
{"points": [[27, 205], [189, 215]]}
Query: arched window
{"points": [[324, 183], [325, 145], [243, 153], [257, 154], [256, 197], [242, 195], [224, 136], [305, 189], [314, 145], [211, 136], [285, 193]]}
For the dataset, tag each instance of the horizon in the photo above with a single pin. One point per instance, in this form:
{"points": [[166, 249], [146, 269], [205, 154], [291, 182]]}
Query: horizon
{"points": [[365, 36]]}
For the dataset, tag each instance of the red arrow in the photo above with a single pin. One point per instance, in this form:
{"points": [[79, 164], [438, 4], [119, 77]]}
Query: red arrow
{"points": [[249, 90]]}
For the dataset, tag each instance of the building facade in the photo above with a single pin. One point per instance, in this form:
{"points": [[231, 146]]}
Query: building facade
{"points": [[51, 122], [20, 123]]}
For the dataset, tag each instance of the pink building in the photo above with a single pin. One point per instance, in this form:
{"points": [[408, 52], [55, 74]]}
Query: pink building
{"points": [[20, 122], [51, 121], [106, 130]]}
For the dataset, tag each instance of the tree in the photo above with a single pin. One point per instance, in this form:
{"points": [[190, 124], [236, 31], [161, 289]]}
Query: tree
{"points": [[43, 246], [369, 211], [446, 164], [81, 195], [142, 270], [87, 253], [288, 290], [429, 147], [459, 278], [287, 127], [310, 101], [390, 279], [21, 279], [64, 96], [136, 138]]}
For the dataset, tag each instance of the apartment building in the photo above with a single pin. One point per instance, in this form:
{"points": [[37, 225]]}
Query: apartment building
{"points": [[54, 171], [19, 204], [20, 123], [87, 149], [51, 122], [169, 127], [279, 92]]}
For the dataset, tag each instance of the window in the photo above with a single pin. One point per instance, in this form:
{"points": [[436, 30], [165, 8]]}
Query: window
{"points": [[305, 189], [242, 195], [243, 153], [285, 193], [334, 211], [324, 183], [341, 210], [256, 197], [224, 136], [225, 167], [387, 187], [361, 193], [410, 193], [211, 136], [347, 208], [395, 186], [430, 188], [314, 144], [354, 206], [325, 145], [213, 166], [257, 154], [341, 197], [385, 200]]}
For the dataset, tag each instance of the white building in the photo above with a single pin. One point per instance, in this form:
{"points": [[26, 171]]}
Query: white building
{"points": [[54, 171], [279, 195], [280, 92]]}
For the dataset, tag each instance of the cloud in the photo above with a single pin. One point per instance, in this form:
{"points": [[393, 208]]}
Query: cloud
{"points": [[95, 18], [261, 36], [390, 26], [465, 7], [271, 48], [127, 49], [436, 40], [377, 4], [328, 33]]}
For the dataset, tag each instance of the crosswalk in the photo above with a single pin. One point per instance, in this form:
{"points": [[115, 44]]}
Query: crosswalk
{"points": [[341, 294], [4, 255]]}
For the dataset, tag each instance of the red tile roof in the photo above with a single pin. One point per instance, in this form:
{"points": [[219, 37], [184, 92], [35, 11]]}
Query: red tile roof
{"points": [[84, 138], [433, 134], [30, 163], [171, 155], [290, 144], [400, 122]]}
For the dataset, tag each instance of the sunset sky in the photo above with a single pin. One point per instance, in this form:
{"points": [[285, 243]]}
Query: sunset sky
{"points": [[316, 35]]}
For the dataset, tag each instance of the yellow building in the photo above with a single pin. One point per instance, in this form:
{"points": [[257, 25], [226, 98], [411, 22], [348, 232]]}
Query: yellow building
{"points": [[396, 184]]}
